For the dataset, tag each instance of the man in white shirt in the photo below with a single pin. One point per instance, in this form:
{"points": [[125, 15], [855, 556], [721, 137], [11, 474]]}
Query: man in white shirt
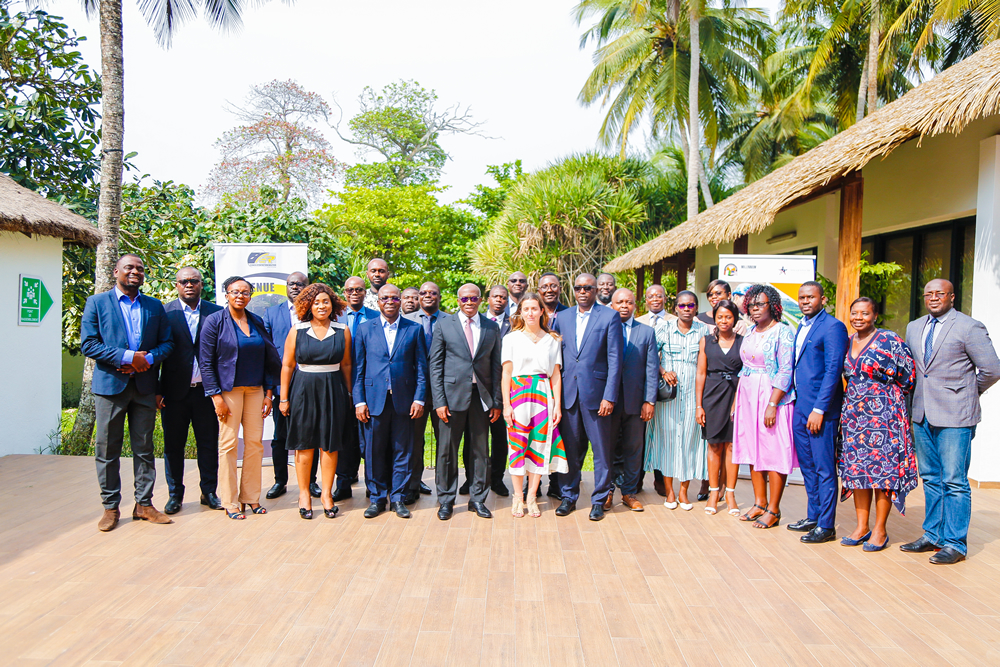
{"points": [[656, 307], [517, 285]]}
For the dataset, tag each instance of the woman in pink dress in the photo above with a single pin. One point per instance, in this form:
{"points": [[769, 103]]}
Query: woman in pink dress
{"points": [[763, 413]]}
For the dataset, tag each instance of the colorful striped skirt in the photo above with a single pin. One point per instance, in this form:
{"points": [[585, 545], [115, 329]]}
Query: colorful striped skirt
{"points": [[533, 443]]}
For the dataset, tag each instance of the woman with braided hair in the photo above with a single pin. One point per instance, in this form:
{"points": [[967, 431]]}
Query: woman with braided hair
{"points": [[763, 414]]}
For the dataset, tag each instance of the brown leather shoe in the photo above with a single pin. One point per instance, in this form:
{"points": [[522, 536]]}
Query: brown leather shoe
{"points": [[109, 520], [150, 514], [609, 501], [632, 503]]}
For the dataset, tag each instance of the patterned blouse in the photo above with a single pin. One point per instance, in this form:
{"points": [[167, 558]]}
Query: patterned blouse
{"points": [[775, 349]]}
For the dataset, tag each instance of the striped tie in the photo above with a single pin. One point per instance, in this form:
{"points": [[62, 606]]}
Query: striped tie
{"points": [[929, 343]]}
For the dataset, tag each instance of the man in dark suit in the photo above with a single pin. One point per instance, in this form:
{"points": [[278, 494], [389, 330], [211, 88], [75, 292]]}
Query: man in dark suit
{"points": [[389, 386], [517, 285], [496, 312], [181, 396], [279, 320], [411, 300], [548, 289], [591, 377], [127, 335], [465, 383], [349, 460], [820, 346], [427, 317], [636, 400]]}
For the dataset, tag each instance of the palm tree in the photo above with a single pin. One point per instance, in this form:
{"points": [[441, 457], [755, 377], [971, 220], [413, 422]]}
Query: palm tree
{"points": [[694, 141], [963, 25]]}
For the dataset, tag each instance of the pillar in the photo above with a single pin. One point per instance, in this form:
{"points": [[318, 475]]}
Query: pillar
{"points": [[849, 261]]}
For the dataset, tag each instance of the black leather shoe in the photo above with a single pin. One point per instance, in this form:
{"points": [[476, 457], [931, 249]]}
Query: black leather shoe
{"points": [[173, 506], [918, 546], [314, 490], [374, 510], [354, 480], [464, 489], [480, 509], [802, 526], [702, 497], [947, 556], [275, 491], [565, 507], [818, 536], [596, 512], [211, 501], [343, 492], [410, 497], [551, 493], [424, 489], [445, 511], [400, 509], [368, 494], [500, 489]]}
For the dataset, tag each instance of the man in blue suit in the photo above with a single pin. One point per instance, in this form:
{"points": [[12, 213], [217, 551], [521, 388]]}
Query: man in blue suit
{"points": [[636, 400], [349, 461], [279, 320], [127, 335], [591, 376], [820, 346], [390, 384]]}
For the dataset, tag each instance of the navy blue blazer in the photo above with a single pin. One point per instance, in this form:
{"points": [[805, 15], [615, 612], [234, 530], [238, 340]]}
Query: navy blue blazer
{"points": [[278, 322], [594, 372], [104, 339], [819, 368], [219, 348], [176, 370], [640, 369], [405, 370]]}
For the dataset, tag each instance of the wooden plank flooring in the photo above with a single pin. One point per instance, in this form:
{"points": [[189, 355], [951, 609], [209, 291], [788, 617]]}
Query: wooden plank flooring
{"points": [[658, 588]]}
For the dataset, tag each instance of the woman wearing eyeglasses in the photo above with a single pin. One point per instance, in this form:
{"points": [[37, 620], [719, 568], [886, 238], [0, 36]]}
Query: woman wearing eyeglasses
{"points": [[674, 445], [762, 419], [239, 369]]}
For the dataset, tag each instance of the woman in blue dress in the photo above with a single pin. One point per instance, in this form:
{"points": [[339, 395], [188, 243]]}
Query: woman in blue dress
{"points": [[877, 453]]}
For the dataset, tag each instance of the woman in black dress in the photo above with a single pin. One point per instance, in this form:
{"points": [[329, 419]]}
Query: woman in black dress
{"points": [[316, 379], [719, 364]]}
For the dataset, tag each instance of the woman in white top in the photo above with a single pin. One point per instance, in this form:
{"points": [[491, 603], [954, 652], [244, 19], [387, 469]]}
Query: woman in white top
{"points": [[532, 388]]}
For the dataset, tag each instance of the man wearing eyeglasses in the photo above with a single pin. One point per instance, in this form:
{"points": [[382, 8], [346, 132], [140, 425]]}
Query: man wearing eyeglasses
{"points": [[956, 363], [592, 353], [378, 275], [656, 307], [279, 320], [181, 398], [548, 289], [427, 317], [517, 285], [349, 461]]}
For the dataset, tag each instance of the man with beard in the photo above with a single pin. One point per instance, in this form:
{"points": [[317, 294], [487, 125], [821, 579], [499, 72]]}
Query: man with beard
{"points": [[378, 275], [606, 287]]}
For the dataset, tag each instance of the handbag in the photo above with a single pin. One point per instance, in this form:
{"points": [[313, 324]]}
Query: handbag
{"points": [[665, 391]]}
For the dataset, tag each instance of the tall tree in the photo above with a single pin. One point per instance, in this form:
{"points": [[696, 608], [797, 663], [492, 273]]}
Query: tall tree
{"points": [[694, 120]]}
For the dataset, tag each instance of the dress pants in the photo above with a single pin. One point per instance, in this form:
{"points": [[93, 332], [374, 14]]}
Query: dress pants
{"points": [[279, 455], [580, 428], [629, 433], [388, 448], [818, 462], [498, 452], [245, 405], [943, 456], [349, 459], [474, 424], [419, 439], [111, 412], [197, 411]]}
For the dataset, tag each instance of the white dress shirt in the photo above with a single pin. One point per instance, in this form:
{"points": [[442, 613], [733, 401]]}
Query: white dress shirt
{"points": [[496, 319], [389, 329], [511, 304], [802, 333], [582, 317], [193, 316], [293, 314]]}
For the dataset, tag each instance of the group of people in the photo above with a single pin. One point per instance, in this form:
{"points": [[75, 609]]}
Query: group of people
{"points": [[531, 385]]}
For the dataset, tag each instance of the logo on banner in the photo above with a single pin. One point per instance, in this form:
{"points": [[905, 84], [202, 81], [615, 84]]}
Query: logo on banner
{"points": [[729, 271], [261, 259]]}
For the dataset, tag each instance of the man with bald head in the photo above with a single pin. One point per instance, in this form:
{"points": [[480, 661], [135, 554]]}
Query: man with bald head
{"points": [[181, 396], [465, 382], [517, 285], [956, 363], [378, 275], [606, 286]]}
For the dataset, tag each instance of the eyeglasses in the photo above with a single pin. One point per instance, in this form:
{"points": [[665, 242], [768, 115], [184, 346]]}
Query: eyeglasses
{"points": [[244, 293], [549, 287], [759, 304], [470, 299], [353, 290], [295, 283], [583, 288], [687, 306], [936, 295], [389, 299], [189, 281], [428, 292]]}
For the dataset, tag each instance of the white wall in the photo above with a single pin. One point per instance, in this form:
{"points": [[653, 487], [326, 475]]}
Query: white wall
{"points": [[31, 363]]}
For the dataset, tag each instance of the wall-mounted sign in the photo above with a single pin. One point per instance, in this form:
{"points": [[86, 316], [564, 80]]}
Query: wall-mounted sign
{"points": [[33, 300]]}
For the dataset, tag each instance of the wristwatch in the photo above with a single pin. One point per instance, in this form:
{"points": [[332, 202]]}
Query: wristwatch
{"points": [[772, 404]]}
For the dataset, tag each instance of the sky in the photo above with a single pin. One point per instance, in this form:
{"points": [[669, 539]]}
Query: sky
{"points": [[517, 65]]}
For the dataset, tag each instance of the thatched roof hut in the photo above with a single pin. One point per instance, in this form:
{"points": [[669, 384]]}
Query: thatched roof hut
{"points": [[22, 210], [946, 104]]}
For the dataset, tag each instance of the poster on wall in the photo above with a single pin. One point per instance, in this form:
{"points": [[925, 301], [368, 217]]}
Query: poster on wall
{"points": [[265, 265], [785, 273]]}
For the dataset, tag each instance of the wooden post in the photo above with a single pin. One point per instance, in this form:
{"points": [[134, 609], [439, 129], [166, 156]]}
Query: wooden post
{"points": [[657, 273], [640, 287], [741, 246], [683, 264], [849, 246]]}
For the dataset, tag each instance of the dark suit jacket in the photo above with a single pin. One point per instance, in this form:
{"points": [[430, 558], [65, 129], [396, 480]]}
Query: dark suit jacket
{"points": [[819, 368], [559, 308], [278, 322], [504, 323], [640, 369], [176, 370], [452, 365], [404, 371], [104, 338], [593, 373], [218, 349]]}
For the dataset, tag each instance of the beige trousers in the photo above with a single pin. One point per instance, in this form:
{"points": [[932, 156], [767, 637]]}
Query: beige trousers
{"points": [[245, 405]]}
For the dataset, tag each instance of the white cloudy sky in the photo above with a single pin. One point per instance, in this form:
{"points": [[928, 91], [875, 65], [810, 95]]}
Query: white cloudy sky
{"points": [[517, 64]]}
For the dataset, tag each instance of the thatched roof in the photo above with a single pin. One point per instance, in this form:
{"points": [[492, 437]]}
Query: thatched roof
{"points": [[22, 210], [947, 103]]}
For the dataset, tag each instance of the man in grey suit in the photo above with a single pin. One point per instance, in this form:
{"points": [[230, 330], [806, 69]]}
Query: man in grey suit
{"points": [[465, 383], [955, 363]]}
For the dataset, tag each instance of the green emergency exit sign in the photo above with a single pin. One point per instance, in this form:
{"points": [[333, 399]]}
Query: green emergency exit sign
{"points": [[34, 301]]}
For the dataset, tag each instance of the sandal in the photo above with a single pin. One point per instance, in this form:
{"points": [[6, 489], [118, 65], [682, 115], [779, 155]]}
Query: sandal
{"points": [[236, 515], [533, 508], [757, 523], [256, 510], [332, 512], [734, 510], [747, 517], [517, 508], [708, 508]]}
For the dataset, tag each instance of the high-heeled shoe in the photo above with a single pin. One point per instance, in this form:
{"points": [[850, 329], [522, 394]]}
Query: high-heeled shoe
{"points": [[238, 516], [708, 508], [533, 508], [332, 512], [846, 540], [256, 510], [734, 510], [687, 507], [517, 507], [868, 546], [305, 514]]}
